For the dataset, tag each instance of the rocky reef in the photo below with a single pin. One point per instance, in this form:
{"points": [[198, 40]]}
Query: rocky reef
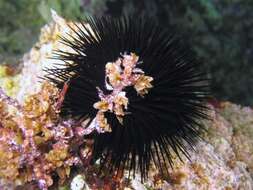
{"points": [[39, 149]]}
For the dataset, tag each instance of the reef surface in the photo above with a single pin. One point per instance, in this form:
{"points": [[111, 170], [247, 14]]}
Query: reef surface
{"points": [[38, 149]]}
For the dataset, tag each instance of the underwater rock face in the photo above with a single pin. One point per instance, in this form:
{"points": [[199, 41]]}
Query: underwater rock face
{"points": [[223, 162]]}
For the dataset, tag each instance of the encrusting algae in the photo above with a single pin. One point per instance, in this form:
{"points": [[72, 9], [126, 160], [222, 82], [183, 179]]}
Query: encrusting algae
{"points": [[38, 147], [35, 143], [119, 74]]}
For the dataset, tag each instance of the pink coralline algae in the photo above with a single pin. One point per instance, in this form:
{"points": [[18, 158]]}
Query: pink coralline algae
{"points": [[119, 75], [35, 143]]}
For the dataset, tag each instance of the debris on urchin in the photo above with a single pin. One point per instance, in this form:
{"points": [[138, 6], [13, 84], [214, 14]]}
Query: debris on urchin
{"points": [[140, 86]]}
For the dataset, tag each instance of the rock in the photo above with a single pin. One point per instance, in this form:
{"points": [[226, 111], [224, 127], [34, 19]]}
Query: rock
{"points": [[223, 162], [78, 183], [241, 120], [138, 185]]}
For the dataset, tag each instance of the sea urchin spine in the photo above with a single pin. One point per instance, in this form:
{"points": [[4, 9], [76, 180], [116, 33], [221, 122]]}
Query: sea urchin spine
{"points": [[164, 118]]}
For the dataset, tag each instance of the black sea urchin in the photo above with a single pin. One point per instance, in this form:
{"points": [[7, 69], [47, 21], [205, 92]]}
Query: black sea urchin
{"points": [[149, 122]]}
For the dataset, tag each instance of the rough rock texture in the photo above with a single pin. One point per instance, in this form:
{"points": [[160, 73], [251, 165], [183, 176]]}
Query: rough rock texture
{"points": [[224, 161]]}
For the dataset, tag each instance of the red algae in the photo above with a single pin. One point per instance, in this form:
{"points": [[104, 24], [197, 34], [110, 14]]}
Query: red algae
{"points": [[35, 143]]}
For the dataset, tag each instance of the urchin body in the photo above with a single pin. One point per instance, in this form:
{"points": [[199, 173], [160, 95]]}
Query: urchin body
{"points": [[163, 120]]}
